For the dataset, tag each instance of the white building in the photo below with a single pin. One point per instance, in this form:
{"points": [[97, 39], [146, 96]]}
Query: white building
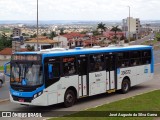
{"points": [[43, 42], [63, 41], [71, 40], [135, 27]]}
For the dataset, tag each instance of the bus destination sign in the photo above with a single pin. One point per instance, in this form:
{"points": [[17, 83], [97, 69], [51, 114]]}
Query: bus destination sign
{"points": [[26, 57]]}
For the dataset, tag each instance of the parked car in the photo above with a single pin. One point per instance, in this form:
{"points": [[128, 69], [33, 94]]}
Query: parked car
{"points": [[2, 79]]}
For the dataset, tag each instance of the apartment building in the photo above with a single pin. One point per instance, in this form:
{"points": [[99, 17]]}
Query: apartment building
{"points": [[16, 32], [135, 27]]}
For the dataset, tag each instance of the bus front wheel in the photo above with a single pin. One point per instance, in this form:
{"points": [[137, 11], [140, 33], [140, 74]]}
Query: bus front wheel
{"points": [[69, 98], [125, 86]]}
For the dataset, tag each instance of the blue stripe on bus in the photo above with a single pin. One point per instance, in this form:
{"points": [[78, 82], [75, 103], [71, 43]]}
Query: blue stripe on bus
{"points": [[26, 94]]}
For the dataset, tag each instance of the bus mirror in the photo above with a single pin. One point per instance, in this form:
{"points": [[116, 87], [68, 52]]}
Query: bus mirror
{"points": [[5, 69], [50, 72]]}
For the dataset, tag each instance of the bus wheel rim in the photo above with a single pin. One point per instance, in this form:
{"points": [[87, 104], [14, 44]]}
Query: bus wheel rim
{"points": [[69, 98], [125, 86]]}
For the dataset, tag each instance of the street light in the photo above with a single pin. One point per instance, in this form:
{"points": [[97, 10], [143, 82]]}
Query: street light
{"points": [[37, 27], [129, 25]]}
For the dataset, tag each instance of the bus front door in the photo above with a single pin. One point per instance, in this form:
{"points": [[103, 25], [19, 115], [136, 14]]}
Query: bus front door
{"points": [[110, 69], [82, 79]]}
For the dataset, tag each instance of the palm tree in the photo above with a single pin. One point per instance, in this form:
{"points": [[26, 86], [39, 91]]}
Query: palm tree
{"points": [[115, 29], [102, 27]]}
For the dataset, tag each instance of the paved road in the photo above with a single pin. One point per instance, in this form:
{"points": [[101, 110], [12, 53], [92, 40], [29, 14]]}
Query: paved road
{"points": [[139, 41], [4, 90]]}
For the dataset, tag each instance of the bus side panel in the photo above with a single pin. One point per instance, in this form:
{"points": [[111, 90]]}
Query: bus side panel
{"points": [[58, 89], [97, 82], [144, 73], [136, 74], [129, 72]]}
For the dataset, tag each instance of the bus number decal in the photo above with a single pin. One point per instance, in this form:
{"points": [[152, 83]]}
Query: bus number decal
{"points": [[125, 72]]}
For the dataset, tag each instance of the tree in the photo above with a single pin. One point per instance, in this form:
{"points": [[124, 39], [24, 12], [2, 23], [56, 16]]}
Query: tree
{"points": [[95, 33], [24, 34], [102, 27], [52, 35], [30, 48], [34, 36], [44, 34], [62, 31], [115, 29], [5, 41]]}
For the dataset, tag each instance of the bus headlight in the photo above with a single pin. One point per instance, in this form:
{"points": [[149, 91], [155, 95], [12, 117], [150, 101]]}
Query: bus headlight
{"points": [[35, 95], [39, 93]]}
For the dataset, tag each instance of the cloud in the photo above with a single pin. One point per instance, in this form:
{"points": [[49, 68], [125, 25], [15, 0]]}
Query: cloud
{"points": [[78, 10]]}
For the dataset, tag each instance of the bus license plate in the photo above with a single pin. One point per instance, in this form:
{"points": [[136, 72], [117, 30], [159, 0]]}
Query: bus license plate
{"points": [[21, 100]]}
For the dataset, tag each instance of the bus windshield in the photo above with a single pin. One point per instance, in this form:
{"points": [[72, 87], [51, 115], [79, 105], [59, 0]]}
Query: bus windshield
{"points": [[26, 74]]}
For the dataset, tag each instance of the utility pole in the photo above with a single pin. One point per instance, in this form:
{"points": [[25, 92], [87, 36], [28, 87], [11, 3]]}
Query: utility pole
{"points": [[129, 25], [37, 28]]}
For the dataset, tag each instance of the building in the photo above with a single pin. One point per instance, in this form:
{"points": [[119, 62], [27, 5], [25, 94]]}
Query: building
{"points": [[71, 40], [110, 34], [43, 42], [135, 27], [17, 32], [5, 54]]}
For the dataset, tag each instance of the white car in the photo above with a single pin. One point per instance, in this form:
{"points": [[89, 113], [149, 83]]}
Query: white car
{"points": [[2, 79]]}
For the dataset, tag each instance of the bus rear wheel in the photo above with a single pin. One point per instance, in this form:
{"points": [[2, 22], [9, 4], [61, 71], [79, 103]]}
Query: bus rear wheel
{"points": [[69, 98], [125, 86]]}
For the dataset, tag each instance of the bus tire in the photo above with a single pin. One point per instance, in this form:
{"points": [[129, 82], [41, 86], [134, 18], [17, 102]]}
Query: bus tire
{"points": [[69, 98], [125, 86]]}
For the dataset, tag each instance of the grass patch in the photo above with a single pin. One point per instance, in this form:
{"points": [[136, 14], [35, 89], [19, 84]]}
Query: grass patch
{"points": [[150, 42], [2, 68], [145, 102]]}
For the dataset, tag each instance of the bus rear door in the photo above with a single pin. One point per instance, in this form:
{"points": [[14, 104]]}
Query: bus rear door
{"points": [[82, 79], [111, 73]]}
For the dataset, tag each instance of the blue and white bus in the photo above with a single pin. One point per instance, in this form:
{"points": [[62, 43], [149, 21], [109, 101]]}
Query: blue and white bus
{"points": [[58, 75]]}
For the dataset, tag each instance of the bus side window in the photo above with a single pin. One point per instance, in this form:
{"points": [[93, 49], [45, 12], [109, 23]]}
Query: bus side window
{"points": [[69, 66], [96, 62], [123, 59], [146, 57], [135, 58], [50, 72]]}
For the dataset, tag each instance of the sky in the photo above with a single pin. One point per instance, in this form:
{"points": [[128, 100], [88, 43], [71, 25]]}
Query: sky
{"points": [[79, 9]]}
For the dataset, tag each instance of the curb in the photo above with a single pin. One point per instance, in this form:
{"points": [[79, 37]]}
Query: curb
{"points": [[4, 100]]}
